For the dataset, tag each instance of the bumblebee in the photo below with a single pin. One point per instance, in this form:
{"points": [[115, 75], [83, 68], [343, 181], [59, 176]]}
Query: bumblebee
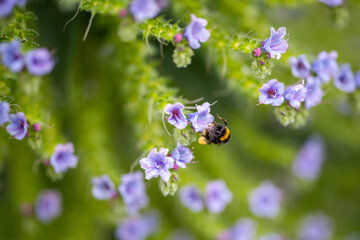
{"points": [[215, 134]]}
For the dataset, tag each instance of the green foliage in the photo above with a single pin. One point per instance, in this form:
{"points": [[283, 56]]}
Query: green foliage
{"points": [[289, 116]]}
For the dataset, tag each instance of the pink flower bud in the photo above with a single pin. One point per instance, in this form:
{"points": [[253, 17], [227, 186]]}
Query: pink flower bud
{"points": [[257, 52], [37, 127], [123, 13], [178, 37]]}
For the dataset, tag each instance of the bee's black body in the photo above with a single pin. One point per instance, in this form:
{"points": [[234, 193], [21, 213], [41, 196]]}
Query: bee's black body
{"points": [[216, 134]]}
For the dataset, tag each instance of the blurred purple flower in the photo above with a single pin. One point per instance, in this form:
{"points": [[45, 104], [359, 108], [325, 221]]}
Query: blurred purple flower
{"points": [[18, 125], [11, 55], [295, 95], [272, 93], [181, 155], [4, 112], [196, 32], [316, 227], [325, 66], [202, 118], [48, 205], [21, 3], [265, 200], [103, 188], [309, 159], [315, 93], [63, 157], [217, 196], [357, 79], [162, 3], [344, 79], [276, 44], [300, 67], [39, 61], [271, 236], [144, 9], [132, 190], [177, 117], [157, 163], [332, 3], [6, 7], [190, 197], [244, 229]]}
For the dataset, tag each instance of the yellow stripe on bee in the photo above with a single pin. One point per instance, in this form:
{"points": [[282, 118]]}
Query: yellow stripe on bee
{"points": [[202, 141], [226, 136]]}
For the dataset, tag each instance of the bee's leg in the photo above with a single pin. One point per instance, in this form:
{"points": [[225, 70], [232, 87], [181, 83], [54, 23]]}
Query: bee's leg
{"points": [[225, 122]]}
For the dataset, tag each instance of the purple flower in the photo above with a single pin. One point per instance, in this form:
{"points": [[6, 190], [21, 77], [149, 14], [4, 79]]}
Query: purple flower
{"points": [[190, 197], [181, 155], [295, 95], [196, 32], [103, 188], [4, 112], [325, 66], [157, 163], [300, 67], [132, 190], [315, 93], [11, 55], [39, 61], [272, 93], [309, 159], [316, 227], [244, 229], [332, 3], [63, 157], [136, 228], [265, 200], [177, 117], [6, 7], [144, 9], [18, 125], [202, 118], [344, 79], [276, 44], [217, 196], [48, 205], [357, 79], [271, 236]]}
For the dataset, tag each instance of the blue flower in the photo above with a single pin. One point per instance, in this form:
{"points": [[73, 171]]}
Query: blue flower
{"points": [[271, 236], [357, 79], [136, 228], [244, 229], [325, 66], [332, 3], [276, 44], [18, 125], [63, 158], [317, 226], [144, 9], [39, 62], [295, 95], [195, 32], [272, 93], [202, 118], [344, 79], [300, 67], [132, 190], [217, 196], [48, 205], [103, 188], [157, 163], [190, 197], [265, 200], [309, 159], [315, 93], [177, 117], [6, 7], [181, 155], [11, 55], [4, 112]]}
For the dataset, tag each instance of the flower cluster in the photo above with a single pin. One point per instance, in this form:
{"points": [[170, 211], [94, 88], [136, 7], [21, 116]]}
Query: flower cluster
{"points": [[243, 229], [216, 197], [6, 6], [48, 205], [38, 61]]}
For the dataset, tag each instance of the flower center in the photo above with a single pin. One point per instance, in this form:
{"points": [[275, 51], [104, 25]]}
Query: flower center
{"points": [[271, 93]]}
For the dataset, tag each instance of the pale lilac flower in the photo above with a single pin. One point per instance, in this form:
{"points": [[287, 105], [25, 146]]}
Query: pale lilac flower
{"points": [[195, 32], [144, 9], [132, 190], [325, 66], [4, 112], [265, 200], [357, 79], [217, 196], [300, 67], [315, 93], [332, 3], [48, 205], [272, 93], [11, 55], [271, 236], [103, 188], [190, 197], [177, 117], [6, 7], [181, 155], [309, 159], [39, 61], [18, 125], [244, 229], [63, 157], [202, 118], [344, 79], [295, 95], [162, 3], [276, 44], [157, 163], [316, 227]]}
